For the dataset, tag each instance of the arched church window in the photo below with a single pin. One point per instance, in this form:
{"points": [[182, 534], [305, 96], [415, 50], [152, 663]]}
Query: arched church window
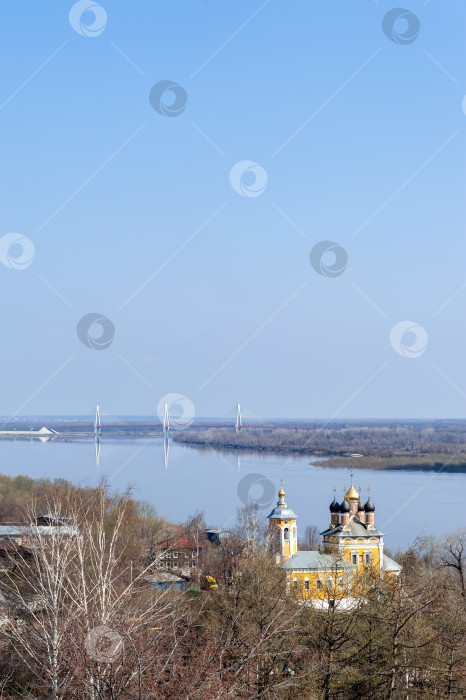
{"points": [[319, 584], [306, 584], [295, 584], [286, 534], [354, 557]]}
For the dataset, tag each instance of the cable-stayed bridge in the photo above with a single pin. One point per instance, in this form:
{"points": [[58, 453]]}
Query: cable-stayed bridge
{"points": [[237, 418], [105, 424]]}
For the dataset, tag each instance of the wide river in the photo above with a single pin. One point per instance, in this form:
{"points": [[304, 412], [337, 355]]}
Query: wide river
{"points": [[407, 503]]}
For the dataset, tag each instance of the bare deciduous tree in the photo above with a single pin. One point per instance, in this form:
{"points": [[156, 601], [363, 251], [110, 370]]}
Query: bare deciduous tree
{"points": [[252, 527], [76, 617], [452, 555], [311, 539]]}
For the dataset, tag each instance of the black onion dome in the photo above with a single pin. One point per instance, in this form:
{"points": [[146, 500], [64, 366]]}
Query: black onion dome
{"points": [[334, 507], [369, 507], [360, 506], [345, 507]]}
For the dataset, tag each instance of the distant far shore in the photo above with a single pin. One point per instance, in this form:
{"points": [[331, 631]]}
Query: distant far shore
{"points": [[363, 447]]}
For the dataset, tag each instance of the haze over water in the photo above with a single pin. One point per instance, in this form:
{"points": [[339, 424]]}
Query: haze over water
{"points": [[407, 502]]}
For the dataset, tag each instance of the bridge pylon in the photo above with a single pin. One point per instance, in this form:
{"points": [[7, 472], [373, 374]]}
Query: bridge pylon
{"points": [[239, 422], [166, 420], [97, 423]]}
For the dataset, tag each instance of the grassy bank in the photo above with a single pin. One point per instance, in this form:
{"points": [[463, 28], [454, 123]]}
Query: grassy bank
{"points": [[433, 462]]}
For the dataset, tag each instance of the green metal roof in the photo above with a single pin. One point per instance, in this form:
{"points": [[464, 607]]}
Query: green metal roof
{"points": [[390, 565], [356, 529], [282, 514], [316, 561], [319, 561]]}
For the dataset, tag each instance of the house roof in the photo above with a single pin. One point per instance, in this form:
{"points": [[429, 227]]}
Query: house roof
{"points": [[316, 561], [180, 542], [164, 577], [11, 530], [390, 565], [57, 518], [19, 530], [356, 529]]}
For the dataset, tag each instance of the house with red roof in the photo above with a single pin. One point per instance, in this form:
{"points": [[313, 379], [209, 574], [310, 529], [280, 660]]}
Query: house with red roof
{"points": [[180, 554]]}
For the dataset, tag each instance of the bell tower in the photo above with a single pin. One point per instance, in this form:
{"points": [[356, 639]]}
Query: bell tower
{"points": [[282, 529]]}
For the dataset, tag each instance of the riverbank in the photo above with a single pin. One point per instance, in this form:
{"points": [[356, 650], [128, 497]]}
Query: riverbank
{"points": [[435, 463]]}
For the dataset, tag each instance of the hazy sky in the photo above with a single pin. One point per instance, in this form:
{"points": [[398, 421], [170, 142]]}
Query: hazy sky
{"points": [[203, 271]]}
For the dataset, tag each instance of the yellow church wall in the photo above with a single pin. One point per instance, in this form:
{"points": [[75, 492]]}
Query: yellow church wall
{"points": [[348, 584], [297, 581], [286, 523], [361, 547]]}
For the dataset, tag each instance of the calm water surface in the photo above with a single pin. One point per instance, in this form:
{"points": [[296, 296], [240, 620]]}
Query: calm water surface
{"points": [[407, 503]]}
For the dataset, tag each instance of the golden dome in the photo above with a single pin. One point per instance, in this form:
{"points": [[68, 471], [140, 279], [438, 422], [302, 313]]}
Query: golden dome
{"points": [[281, 492], [352, 496]]}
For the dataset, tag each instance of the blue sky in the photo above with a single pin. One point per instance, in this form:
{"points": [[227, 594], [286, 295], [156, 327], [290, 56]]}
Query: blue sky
{"points": [[363, 143]]}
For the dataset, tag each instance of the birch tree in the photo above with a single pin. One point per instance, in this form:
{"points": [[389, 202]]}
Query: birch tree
{"points": [[81, 624]]}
